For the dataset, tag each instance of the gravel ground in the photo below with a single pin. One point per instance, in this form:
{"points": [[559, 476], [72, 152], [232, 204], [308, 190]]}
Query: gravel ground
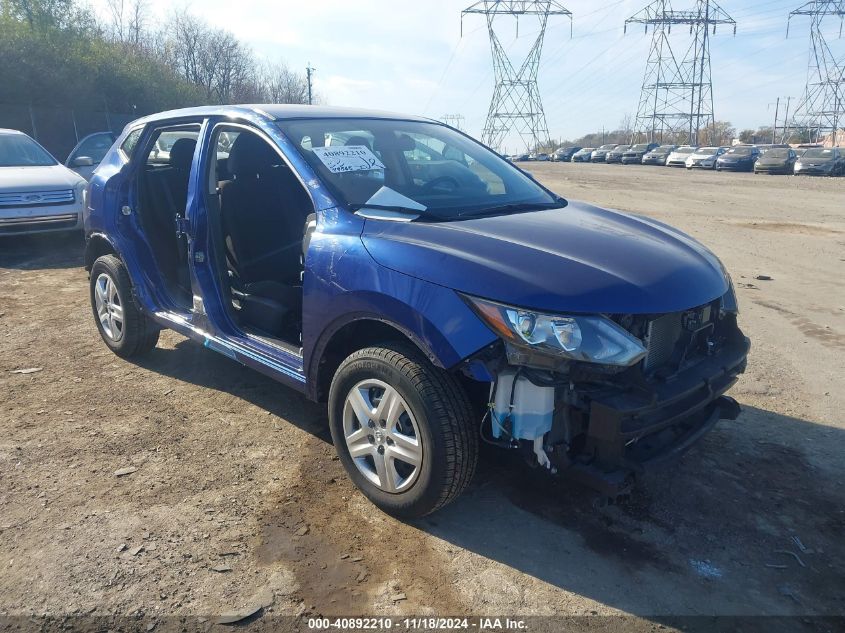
{"points": [[235, 500]]}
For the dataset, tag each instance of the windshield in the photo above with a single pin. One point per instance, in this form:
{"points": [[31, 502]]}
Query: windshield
{"points": [[707, 150], [18, 150], [611, 146], [663, 149], [818, 153], [640, 148], [777, 153], [685, 150], [413, 166], [740, 151]]}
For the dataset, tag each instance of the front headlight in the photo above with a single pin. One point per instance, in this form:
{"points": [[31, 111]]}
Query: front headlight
{"points": [[729, 303], [79, 192], [590, 339]]}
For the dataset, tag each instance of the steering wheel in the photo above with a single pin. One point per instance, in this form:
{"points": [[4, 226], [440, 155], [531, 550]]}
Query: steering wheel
{"points": [[440, 184]]}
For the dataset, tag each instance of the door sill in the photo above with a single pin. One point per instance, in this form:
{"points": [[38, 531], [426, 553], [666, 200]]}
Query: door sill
{"points": [[263, 337]]}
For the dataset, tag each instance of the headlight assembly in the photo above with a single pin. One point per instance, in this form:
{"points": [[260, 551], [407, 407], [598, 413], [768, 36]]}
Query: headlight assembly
{"points": [[590, 339]]}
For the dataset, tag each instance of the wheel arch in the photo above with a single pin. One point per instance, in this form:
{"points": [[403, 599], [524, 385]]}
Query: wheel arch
{"points": [[347, 336], [96, 246]]}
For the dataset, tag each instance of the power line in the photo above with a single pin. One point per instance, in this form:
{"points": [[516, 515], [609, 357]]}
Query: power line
{"points": [[822, 108], [676, 99], [516, 105]]}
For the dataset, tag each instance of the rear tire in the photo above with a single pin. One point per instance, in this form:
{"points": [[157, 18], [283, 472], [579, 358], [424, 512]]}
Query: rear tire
{"points": [[122, 325], [426, 415]]}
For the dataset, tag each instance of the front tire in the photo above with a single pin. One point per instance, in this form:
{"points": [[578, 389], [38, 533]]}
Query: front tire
{"points": [[122, 326], [402, 429]]}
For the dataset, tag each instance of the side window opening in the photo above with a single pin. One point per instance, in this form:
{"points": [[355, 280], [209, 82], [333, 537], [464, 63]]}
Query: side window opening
{"points": [[129, 143], [263, 211]]}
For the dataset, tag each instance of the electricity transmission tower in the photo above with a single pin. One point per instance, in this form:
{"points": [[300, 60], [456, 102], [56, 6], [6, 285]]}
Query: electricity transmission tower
{"points": [[821, 110], [516, 105], [676, 100], [455, 120]]}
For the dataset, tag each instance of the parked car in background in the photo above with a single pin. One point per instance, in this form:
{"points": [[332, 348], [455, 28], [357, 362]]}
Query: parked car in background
{"points": [[821, 161], [615, 155], [522, 158], [634, 155], [583, 155], [600, 155], [565, 154], [738, 158], [487, 308], [88, 153], [541, 156], [659, 155], [705, 157], [777, 160], [37, 193], [678, 157]]}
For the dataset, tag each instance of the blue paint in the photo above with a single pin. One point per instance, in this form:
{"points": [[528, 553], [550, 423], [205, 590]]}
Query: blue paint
{"points": [[578, 259]]}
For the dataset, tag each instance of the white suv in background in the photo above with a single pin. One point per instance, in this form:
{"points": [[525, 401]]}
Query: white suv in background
{"points": [[37, 193]]}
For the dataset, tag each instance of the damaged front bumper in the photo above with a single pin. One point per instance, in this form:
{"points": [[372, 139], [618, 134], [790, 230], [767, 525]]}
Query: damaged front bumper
{"points": [[630, 431]]}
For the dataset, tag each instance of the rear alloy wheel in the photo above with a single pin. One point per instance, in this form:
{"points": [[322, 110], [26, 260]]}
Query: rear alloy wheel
{"points": [[402, 429], [122, 326]]}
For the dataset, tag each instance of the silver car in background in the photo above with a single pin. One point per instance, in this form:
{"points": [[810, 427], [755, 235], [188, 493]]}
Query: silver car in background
{"points": [[37, 193]]}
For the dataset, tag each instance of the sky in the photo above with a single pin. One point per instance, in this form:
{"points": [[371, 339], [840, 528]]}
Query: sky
{"points": [[409, 56]]}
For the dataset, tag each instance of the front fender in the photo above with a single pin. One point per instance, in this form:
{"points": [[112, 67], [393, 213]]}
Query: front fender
{"points": [[343, 284]]}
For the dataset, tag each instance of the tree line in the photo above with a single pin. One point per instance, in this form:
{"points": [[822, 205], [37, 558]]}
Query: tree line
{"points": [[59, 53]]}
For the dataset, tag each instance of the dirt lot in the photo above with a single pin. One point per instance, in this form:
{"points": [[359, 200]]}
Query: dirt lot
{"points": [[237, 500]]}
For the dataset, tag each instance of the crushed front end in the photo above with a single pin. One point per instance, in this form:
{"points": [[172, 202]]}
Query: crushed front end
{"points": [[624, 393]]}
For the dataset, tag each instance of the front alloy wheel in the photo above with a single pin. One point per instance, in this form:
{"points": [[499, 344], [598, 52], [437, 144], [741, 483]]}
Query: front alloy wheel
{"points": [[382, 436], [402, 429]]}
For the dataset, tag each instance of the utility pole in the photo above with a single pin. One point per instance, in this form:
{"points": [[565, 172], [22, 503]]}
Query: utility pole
{"points": [[676, 99], [775, 126], [786, 126], [821, 107], [516, 105], [308, 72]]}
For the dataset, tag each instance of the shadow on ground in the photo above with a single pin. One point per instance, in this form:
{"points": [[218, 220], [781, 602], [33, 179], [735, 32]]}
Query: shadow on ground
{"points": [[44, 251], [744, 524]]}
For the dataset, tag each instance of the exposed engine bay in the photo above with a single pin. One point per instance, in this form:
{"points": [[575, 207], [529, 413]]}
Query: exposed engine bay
{"points": [[604, 424]]}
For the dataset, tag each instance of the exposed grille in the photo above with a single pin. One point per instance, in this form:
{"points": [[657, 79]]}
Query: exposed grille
{"points": [[36, 198], [662, 337]]}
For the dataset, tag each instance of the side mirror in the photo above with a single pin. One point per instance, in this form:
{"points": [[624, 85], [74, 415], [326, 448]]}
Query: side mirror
{"points": [[82, 161]]}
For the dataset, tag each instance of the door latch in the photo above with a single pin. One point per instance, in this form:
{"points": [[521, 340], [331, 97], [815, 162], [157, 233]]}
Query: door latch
{"points": [[181, 226]]}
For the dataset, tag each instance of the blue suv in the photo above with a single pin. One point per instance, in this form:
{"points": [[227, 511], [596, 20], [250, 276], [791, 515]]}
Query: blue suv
{"points": [[433, 294]]}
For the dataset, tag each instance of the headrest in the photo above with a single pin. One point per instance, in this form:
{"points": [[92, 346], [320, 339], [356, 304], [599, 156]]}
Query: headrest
{"points": [[358, 140], [398, 143], [182, 153], [250, 155]]}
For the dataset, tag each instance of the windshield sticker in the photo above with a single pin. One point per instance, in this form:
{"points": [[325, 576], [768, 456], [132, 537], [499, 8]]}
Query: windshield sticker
{"points": [[340, 160]]}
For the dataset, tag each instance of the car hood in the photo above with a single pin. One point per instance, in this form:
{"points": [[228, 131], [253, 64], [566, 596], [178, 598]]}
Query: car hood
{"points": [[37, 178], [702, 156], [579, 259], [771, 161]]}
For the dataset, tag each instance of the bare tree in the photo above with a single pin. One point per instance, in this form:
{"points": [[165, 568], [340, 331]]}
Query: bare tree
{"points": [[283, 85]]}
